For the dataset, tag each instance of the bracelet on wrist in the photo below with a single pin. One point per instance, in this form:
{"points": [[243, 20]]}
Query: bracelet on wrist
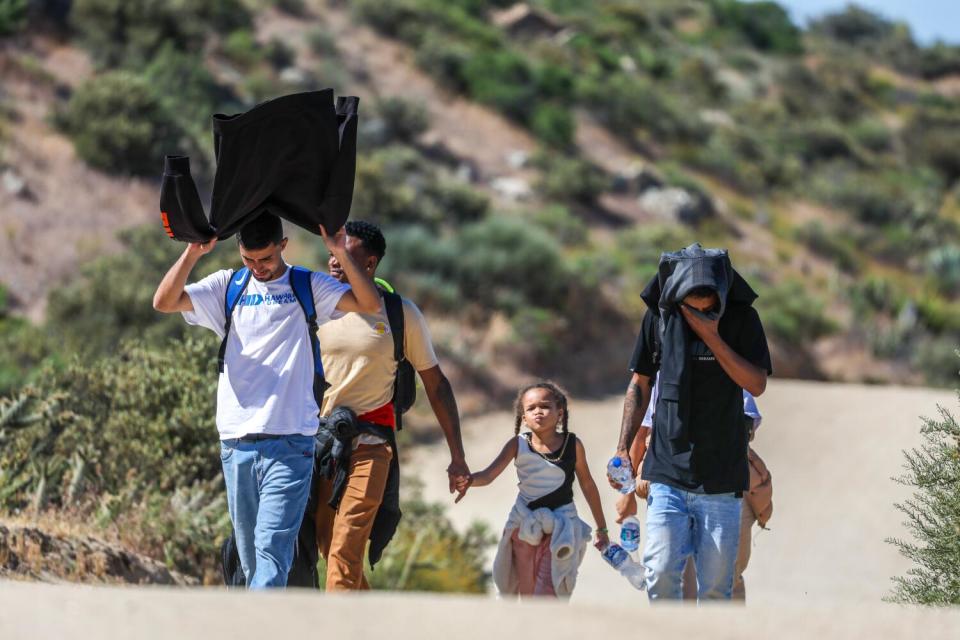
{"points": [[602, 530]]}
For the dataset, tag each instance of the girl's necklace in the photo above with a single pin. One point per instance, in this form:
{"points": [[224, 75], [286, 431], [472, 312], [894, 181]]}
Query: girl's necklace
{"points": [[566, 438]]}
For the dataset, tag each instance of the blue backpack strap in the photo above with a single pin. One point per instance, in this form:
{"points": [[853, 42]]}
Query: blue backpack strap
{"points": [[302, 286], [238, 284]]}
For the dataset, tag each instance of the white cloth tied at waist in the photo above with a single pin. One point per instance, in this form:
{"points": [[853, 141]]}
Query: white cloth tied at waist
{"points": [[568, 545]]}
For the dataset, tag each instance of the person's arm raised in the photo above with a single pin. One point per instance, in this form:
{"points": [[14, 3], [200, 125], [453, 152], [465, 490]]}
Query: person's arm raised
{"points": [[744, 373], [170, 296], [363, 296]]}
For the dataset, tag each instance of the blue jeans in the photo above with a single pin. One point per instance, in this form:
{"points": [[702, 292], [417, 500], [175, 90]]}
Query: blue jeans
{"points": [[681, 524], [268, 484]]}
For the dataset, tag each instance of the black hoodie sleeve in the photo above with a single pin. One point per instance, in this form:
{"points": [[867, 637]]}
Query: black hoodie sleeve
{"points": [[180, 207]]}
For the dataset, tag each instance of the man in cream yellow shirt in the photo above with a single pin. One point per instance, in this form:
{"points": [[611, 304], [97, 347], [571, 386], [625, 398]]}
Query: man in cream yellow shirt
{"points": [[360, 367]]}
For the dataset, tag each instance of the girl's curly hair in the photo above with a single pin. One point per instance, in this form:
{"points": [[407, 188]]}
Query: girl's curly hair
{"points": [[558, 396]]}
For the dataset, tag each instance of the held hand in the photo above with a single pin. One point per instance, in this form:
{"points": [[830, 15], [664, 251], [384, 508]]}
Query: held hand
{"points": [[625, 457], [701, 324], [457, 471], [626, 506], [202, 248], [462, 486], [337, 243], [601, 540]]}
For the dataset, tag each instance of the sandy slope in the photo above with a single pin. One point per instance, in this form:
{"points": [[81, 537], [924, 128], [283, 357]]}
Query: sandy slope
{"points": [[832, 450]]}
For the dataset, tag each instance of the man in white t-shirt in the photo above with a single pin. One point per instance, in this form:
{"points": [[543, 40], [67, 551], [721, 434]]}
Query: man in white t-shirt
{"points": [[267, 411]]}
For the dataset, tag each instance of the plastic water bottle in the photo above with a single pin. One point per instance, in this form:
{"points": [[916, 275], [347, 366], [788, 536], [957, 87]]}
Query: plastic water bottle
{"points": [[618, 558], [630, 534], [621, 474]]}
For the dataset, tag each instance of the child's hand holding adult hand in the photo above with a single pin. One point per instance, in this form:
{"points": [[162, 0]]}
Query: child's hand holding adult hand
{"points": [[462, 485]]}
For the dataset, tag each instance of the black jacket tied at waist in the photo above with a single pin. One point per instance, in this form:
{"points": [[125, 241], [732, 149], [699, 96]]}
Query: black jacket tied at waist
{"points": [[679, 273], [334, 448]]}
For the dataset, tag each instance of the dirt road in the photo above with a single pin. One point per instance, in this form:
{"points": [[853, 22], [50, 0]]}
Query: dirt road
{"points": [[832, 450]]}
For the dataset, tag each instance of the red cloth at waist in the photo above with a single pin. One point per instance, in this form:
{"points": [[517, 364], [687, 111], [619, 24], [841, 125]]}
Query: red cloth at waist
{"points": [[384, 416]]}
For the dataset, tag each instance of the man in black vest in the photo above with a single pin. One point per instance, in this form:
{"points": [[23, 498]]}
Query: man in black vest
{"points": [[705, 341]]}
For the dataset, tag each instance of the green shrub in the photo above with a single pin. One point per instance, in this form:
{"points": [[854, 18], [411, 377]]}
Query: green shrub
{"points": [[789, 312], [279, 54], [626, 103], [428, 554], [118, 124], [933, 512], [941, 316], [567, 228], [872, 134], [943, 265], [111, 300], [831, 245], [322, 42], [819, 140], [765, 25], [877, 198], [484, 262], [553, 125], [444, 60], [13, 16], [23, 348], [937, 61], [934, 139], [131, 32], [874, 295], [455, 202], [503, 80], [293, 7], [242, 48], [404, 120], [569, 179], [141, 421], [936, 359], [854, 25]]}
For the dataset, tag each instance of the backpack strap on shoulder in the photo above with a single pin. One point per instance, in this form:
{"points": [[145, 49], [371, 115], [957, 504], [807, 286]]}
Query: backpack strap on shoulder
{"points": [[302, 286], [239, 280], [394, 307]]}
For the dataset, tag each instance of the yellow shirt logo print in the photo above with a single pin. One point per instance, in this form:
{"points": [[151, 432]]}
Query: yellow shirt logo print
{"points": [[380, 328]]}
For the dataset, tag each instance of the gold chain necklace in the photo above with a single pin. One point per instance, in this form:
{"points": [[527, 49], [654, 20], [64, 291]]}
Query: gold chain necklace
{"points": [[566, 438]]}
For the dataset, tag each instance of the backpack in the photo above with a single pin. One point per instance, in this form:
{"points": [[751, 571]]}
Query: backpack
{"points": [[300, 283], [405, 383]]}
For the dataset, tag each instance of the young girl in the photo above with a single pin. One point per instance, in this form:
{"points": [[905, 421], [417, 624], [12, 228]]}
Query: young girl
{"points": [[544, 541]]}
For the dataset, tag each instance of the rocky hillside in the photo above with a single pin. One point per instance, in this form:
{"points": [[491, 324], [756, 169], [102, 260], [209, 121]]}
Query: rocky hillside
{"points": [[530, 161], [30, 553]]}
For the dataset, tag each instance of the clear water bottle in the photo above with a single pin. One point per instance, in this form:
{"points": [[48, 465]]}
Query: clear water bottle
{"points": [[620, 471], [630, 534], [618, 558]]}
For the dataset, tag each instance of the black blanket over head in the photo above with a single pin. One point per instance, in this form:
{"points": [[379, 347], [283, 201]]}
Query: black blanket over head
{"points": [[293, 156], [679, 273]]}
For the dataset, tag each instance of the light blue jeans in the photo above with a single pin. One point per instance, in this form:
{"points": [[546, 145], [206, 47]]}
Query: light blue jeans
{"points": [[681, 524], [268, 484]]}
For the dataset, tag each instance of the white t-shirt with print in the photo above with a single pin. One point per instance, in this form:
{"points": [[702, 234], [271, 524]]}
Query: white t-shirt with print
{"points": [[267, 382]]}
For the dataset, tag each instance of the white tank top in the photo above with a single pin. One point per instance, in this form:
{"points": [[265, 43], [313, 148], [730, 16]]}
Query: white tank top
{"points": [[537, 477]]}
